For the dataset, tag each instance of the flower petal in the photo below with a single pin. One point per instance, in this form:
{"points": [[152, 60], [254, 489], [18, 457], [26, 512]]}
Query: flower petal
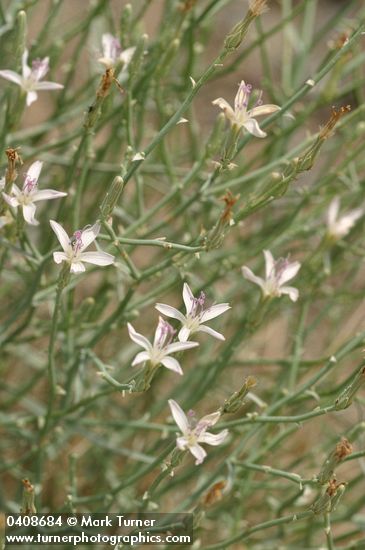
{"points": [[226, 108], [198, 452], [28, 213], [12, 77], [26, 70], [263, 110], [209, 420], [126, 55], [269, 263], [214, 311], [45, 85], [188, 298], [292, 292], [250, 276], [252, 126], [61, 235], [47, 194], [181, 443], [213, 439], [60, 257], [212, 332], [141, 357], [180, 346], [289, 272], [96, 258], [34, 170], [11, 201], [333, 211], [179, 416], [172, 364], [184, 334], [139, 338], [77, 267], [31, 98], [89, 235], [170, 311]]}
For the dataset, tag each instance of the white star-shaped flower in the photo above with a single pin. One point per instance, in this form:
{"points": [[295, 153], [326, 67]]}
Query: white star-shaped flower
{"points": [[29, 195], [195, 316], [195, 432], [277, 274], [73, 248], [113, 53], [241, 116], [30, 78], [159, 352], [338, 227]]}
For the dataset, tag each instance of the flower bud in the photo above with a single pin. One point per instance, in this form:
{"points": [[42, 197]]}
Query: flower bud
{"points": [[235, 402], [112, 198], [345, 398]]}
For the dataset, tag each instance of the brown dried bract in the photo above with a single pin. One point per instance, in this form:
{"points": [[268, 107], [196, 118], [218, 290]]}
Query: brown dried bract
{"points": [[215, 493], [343, 449], [230, 201], [187, 5], [13, 155], [257, 7], [332, 487], [335, 117], [106, 81]]}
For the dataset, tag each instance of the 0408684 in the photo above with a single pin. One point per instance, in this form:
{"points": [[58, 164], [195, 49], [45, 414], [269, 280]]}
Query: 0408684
{"points": [[20, 520]]}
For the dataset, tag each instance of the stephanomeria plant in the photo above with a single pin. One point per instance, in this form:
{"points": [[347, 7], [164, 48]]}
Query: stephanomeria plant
{"points": [[277, 273], [30, 79], [195, 432], [195, 316], [243, 117], [73, 248], [30, 194], [192, 203], [159, 352]]}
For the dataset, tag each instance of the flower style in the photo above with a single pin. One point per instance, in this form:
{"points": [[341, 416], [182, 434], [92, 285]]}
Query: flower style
{"points": [[162, 346], [29, 195], [195, 316], [30, 78], [113, 53], [340, 227], [241, 116], [277, 274], [73, 248], [195, 432]]}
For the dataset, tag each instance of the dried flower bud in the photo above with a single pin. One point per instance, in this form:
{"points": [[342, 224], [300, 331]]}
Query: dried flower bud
{"points": [[326, 131], [338, 455], [237, 34], [28, 508], [214, 494]]}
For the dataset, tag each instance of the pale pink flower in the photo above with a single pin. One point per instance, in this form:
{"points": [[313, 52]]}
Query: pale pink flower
{"points": [[277, 274], [29, 195], [73, 248], [195, 432], [159, 352], [338, 227], [113, 53], [30, 78], [195, 316], [241, 116]]}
